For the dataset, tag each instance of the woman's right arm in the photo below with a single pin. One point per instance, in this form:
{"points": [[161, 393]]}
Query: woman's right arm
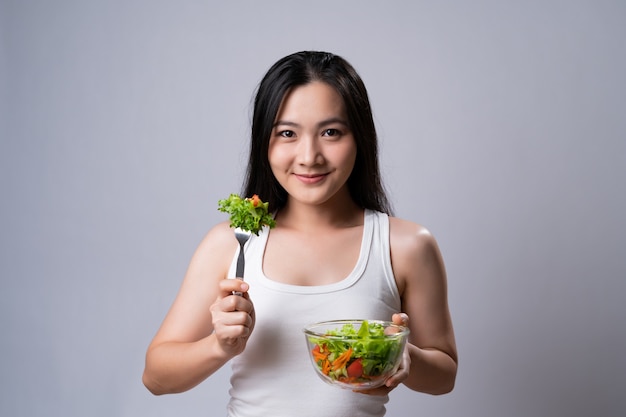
{"points": [[206, 325]]}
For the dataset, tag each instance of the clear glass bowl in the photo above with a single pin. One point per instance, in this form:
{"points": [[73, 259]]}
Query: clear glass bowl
{"points": [[355, 354]]}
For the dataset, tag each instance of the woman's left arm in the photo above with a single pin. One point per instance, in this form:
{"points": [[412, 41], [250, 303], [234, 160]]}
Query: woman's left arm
{"points": [[420, 273]]}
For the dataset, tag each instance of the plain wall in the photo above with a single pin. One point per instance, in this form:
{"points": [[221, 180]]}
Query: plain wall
{"points": [[502, 128]]}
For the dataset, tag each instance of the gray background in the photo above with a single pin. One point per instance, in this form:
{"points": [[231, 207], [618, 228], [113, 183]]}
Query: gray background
{"points": [[502, 126]]}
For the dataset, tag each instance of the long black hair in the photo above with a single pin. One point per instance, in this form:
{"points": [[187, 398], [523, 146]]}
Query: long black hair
{"points": [[365, 184]]}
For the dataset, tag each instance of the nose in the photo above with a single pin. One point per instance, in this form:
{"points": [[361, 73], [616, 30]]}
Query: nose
{"points": [[309, 151]]}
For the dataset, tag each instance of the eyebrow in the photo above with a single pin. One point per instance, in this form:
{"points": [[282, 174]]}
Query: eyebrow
{"points": [[323, 123]]}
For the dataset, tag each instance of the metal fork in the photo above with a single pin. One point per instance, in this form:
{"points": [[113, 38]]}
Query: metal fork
{"points": [[242, 237]]}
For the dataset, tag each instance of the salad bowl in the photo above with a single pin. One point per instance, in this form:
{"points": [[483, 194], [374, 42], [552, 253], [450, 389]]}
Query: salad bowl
{"points": [[355, 354]]}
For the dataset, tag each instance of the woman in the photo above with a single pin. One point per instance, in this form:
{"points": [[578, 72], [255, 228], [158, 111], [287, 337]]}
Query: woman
{"points": [[335, 253]]}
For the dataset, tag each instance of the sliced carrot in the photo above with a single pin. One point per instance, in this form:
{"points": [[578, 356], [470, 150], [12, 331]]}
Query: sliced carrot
{"points": [[319, 353], [342, 359], [325, 366]]}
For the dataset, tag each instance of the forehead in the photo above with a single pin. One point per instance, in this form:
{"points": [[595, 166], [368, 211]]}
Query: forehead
{"points": [[310, 101]]}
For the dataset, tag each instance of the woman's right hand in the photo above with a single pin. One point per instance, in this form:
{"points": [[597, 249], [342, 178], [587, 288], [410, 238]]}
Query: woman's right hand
{"points": [[233, 316]]}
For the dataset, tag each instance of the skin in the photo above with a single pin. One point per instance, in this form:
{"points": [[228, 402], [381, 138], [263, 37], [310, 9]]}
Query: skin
{"points": [[311, 153]]}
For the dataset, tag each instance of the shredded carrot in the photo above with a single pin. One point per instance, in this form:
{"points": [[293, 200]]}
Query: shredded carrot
{"points": [[342, 359], [319, 353], [325, 366]]}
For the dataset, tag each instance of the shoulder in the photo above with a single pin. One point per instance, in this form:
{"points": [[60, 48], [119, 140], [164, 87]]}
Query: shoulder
{"points": [[217, 247], [409, 236], [220, 234], [414, 249]]}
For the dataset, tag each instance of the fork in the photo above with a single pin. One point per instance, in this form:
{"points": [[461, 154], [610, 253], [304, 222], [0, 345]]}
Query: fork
{"points": [[242, 237]]}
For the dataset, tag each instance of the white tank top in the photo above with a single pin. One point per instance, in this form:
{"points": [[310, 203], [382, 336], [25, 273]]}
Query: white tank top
{"points": [[274, 376]]}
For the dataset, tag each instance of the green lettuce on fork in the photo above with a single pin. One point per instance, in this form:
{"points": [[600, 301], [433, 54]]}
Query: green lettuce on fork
{"points": [[249, 214]]}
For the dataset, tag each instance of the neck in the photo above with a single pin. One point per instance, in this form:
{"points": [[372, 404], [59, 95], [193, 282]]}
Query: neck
{"points": [[305, 217]]}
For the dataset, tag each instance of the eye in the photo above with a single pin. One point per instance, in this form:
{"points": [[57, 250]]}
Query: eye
{"points": [[331, 132], [286, 133]]}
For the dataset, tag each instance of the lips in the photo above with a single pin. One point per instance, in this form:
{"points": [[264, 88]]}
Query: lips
{"points": [[310, 178]]}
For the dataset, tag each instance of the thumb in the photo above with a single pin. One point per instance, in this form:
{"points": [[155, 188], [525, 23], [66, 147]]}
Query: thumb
{"points": [[401, 319]]}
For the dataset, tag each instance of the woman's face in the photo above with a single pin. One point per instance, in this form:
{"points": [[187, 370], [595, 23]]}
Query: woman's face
{"points": [[311, 149]]}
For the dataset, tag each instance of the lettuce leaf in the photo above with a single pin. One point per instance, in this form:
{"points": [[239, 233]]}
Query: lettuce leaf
{"points": [[249, 214]]}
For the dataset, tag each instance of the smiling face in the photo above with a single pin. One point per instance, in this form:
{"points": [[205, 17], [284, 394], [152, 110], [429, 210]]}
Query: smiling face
{"points": [[311, 149]]}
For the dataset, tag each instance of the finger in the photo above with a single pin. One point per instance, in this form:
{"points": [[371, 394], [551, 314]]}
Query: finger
{"points": [[395, 379], [231, 333], [391, 383], [242, 304], [401, 319], [231, 303], [228, 286], [233, 319]]}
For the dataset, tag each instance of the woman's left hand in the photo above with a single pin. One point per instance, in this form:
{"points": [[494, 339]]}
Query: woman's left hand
{"points": [[403, 370]]}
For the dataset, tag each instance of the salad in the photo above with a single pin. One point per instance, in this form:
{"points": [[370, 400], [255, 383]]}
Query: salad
{"points": [[352, 356], [249, 214]]}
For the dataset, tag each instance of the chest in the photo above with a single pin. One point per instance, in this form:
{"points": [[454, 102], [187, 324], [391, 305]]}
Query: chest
{"points": [[298, 258]]}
